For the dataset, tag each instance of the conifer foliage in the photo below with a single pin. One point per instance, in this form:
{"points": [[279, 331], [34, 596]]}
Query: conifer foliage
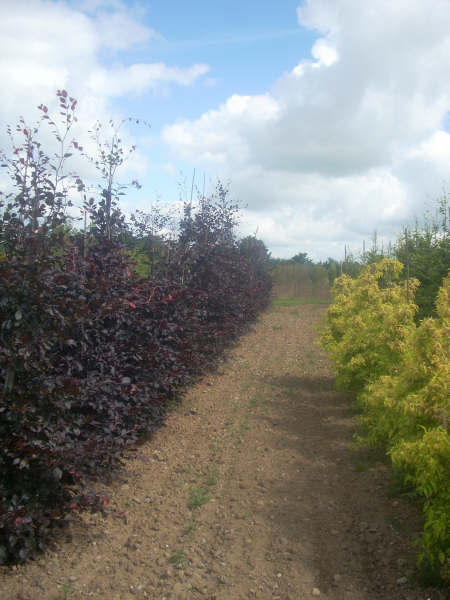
{"points": [[91, 352]]}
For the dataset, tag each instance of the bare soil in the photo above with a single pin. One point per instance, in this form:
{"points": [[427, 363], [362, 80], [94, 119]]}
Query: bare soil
{"points": [[251, 490]]}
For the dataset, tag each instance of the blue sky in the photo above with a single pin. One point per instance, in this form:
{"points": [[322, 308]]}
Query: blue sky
{"points": [[329, 118], [246, 45]]}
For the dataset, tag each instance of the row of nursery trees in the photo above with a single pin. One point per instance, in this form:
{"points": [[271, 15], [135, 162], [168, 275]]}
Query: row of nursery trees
{"points": [[100, 327], [300, 277], [423, 249], [398, 367]]}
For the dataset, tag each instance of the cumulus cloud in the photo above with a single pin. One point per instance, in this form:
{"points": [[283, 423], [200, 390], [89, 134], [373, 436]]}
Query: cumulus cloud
{"points": [[47, 45], [349, 127], [223, 136], [308, 212]]}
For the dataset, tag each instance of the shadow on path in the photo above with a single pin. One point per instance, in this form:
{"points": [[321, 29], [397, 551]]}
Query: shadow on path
{"points": [[330, 500]]}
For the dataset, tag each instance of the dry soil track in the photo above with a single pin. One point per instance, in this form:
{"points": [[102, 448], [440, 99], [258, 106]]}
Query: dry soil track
{"points": [[250, 491]]}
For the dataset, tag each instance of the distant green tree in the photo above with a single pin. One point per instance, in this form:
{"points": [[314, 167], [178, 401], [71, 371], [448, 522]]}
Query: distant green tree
{"points": [[375, 253], [252, 247], [301, 258], [425, 252], [333, 268], [351, 265], [148, 244]]}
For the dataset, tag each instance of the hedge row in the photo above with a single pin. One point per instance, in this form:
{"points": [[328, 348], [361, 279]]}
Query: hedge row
{"points": [[400, 374], [91, 354]]}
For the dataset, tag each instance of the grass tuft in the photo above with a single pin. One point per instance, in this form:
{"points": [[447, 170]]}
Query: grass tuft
{"points": [[197, 496], [177, 557]]}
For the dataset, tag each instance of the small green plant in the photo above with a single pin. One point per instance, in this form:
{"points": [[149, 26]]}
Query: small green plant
{"points": [[66, 590], [177, 557], [212, 477], [253, 402], [398, 487], [197, 496], [361, 467], [237, 434], [190, 527], [276, 327]]}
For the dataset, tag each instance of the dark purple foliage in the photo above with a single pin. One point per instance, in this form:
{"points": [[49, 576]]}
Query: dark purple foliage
{"points": [[91, 353]]}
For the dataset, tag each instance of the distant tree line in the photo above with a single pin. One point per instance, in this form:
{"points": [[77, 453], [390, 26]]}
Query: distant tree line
{"points": [[423, 249]]}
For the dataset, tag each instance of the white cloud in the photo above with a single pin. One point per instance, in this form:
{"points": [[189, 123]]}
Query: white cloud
{"points": [[119, 31], [435, 150], [324, 53], [339, 139], [222, 136], [141, 77], [47, 45], [337, 210]]}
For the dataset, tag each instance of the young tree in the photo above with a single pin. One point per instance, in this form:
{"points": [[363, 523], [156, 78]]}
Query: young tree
{"points": [[425, 252]]}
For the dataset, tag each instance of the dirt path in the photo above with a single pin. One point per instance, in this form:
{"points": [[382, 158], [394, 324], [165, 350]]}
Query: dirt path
{"points": [[250, 491]]}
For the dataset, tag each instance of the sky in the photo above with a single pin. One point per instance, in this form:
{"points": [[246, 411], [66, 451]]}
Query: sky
{"points": [[327, 119]]}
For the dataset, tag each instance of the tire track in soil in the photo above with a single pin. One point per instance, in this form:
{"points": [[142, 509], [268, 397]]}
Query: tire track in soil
{"points": [[289, 513]]}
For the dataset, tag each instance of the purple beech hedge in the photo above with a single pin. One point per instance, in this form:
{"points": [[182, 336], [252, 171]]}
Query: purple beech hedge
{"points": [[91, 354]]}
